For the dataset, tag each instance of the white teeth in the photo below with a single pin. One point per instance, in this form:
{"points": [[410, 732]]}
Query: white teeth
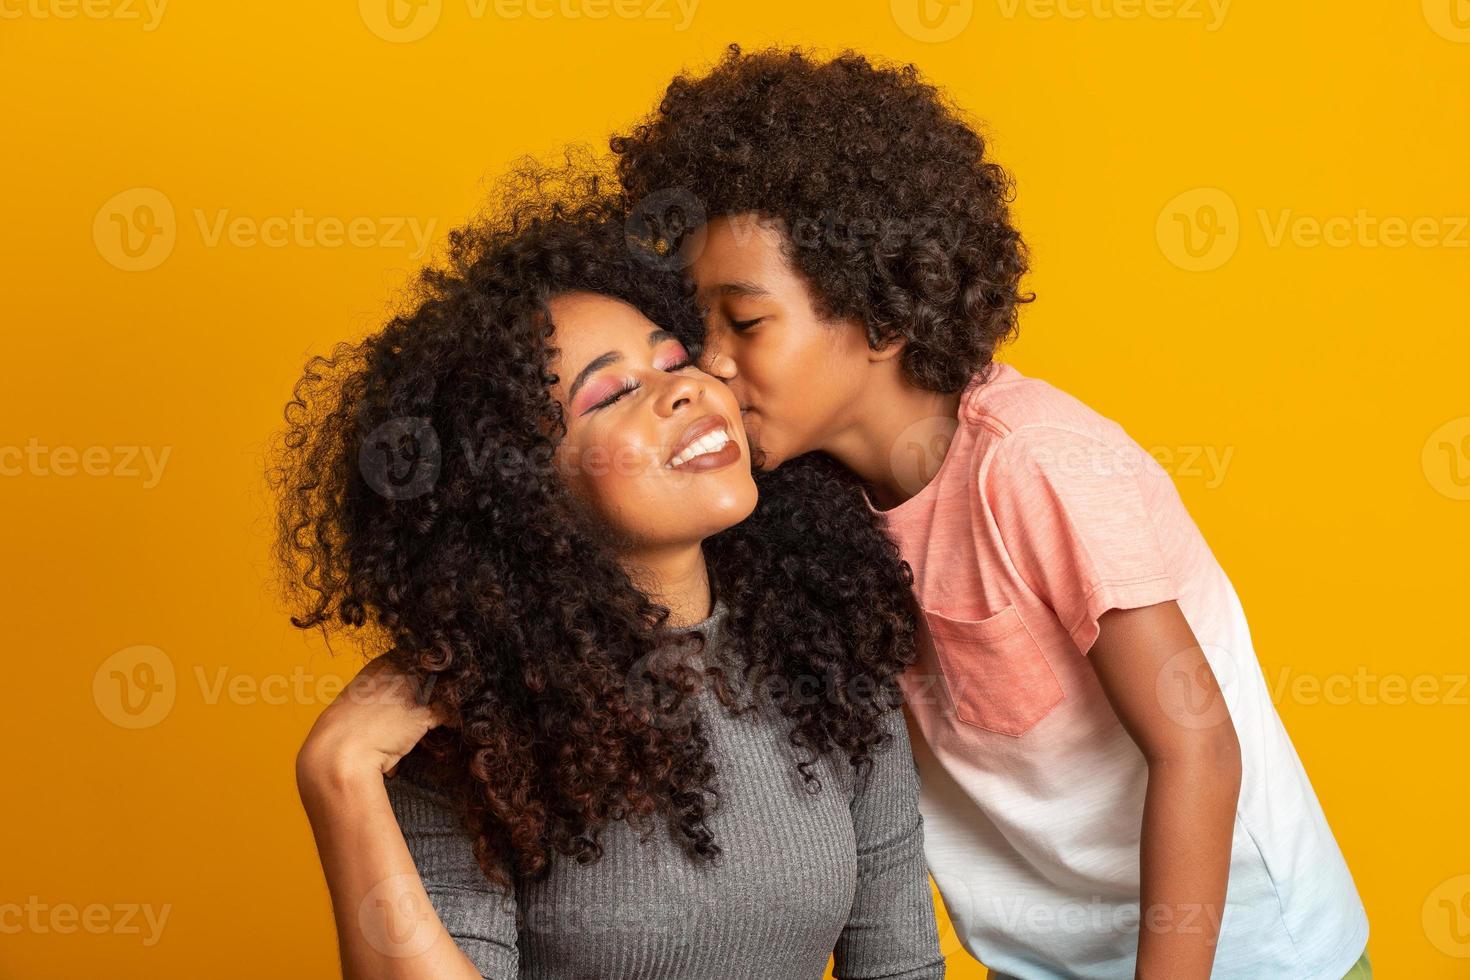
{"points": [[711, 442]]}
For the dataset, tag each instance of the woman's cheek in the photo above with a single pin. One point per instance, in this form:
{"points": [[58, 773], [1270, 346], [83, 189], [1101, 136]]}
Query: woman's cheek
{"points": [[615, 462]]}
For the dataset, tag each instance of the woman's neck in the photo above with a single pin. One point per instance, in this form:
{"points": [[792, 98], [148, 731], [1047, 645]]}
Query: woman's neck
{"points": [[677, 578]]}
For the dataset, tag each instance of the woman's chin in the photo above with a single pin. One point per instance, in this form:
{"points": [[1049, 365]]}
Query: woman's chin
{"points": [[734, 508], [724, 511]]}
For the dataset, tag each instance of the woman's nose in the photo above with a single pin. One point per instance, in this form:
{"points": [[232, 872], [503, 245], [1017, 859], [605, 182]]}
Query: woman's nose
{"points": [[681, 390]]}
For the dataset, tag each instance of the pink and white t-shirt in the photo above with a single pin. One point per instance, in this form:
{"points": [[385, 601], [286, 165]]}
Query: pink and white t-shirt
{"points": [[1044, 515]]}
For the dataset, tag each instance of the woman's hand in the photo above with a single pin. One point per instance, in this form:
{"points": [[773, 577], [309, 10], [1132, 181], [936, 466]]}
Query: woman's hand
{"points": [[376, 720]]}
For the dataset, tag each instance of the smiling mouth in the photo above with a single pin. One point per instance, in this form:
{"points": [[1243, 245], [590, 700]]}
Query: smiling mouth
{"points": [[707, 444], [709, 437]]}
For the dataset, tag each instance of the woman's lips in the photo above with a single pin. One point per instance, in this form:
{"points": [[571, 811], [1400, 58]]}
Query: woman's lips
{"points": [[707, 444], [696, 430], [716, 460]]}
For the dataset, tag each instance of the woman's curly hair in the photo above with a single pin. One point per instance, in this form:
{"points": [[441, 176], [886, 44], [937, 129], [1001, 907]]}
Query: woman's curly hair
{"points": [[890, 209], [419, 510]]}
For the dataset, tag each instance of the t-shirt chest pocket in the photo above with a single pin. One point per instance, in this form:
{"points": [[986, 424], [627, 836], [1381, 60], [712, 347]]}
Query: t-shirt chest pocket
{"points": [[997, 674]]}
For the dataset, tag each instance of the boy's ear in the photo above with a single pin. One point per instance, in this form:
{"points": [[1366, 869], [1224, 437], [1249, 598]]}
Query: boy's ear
{"points": [[888, 352]]}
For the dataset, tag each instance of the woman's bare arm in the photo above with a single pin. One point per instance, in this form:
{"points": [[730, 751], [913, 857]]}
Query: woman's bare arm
{"points": [[387, 928]]}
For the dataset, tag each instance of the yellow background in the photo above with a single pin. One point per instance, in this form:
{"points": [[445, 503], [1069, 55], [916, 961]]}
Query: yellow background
{"points": [[1332, 377]]}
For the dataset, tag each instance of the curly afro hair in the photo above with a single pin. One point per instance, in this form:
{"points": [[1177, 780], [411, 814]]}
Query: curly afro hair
{"points": [[418, 511], [889, 206]]}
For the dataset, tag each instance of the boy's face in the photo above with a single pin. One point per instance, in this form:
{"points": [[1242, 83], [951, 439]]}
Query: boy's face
{"points": [[796, 375]]}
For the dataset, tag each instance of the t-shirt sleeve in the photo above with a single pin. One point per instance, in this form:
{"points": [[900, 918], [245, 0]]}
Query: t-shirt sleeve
{"points": [[479, 915], [1073, 515]]}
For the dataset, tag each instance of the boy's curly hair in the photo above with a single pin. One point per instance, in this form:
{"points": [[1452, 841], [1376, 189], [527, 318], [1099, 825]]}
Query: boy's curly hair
{"points": [[420, 512], [890, 208]]}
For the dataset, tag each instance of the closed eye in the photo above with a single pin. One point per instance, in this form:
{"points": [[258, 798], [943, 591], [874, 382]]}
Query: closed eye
{"points": [[633, 386], [610, 399], [742, 325]]}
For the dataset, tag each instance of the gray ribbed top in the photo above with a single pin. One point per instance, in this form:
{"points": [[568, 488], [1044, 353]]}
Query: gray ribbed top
{"points": [[801, 876]]}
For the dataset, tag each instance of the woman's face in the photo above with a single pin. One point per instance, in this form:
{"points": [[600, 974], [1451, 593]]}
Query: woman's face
{"points": [[653, 445]]}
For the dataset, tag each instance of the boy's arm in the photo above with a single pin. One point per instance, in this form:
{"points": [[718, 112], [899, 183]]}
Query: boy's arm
{"points": [[1193, 761], [1078, 514]]}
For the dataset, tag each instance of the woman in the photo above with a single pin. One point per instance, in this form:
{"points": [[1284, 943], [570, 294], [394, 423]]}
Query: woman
{"points": [[647, 725]]}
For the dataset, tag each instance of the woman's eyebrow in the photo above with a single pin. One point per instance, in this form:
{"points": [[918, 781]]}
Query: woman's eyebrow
{"points": [[596, 364], [611, 357]]}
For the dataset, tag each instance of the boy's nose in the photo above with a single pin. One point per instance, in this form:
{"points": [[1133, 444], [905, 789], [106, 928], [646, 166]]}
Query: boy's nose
{"points": [[718, 365]]}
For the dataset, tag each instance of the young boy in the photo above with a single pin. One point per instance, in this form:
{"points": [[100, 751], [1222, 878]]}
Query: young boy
{"points": [[1108, 791]]}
